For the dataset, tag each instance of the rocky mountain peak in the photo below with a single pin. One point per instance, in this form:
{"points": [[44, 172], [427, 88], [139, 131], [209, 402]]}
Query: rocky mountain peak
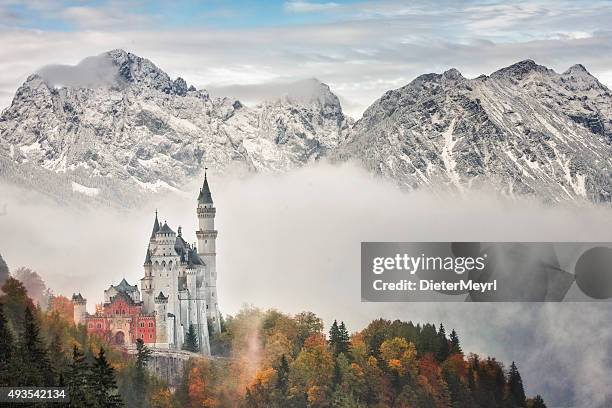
{"points": [[549, 137], [117, 124], [577, 69], [520, 70], [452, 74]]}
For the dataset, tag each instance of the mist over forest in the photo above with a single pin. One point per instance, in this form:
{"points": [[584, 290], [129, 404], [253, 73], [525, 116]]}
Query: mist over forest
{"points": [[292, 242]]}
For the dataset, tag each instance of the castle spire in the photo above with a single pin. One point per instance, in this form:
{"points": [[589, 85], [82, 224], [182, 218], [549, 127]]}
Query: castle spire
{"points": [[155, 225], [205, 197]]}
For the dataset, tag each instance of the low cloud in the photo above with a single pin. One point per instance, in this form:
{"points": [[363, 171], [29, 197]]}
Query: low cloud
{"points": [[292, 242], [92, 72]]}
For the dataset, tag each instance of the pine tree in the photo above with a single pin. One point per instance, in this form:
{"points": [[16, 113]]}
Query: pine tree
{"points": [[536, 402], [103, 384], [344, 339], [7, 352], [143, 355], [516, 392], [282, 383], [455, 346], [191, 340], [339, 339], [334, 336], [140, 379], [78, 380], [428, 339], [442, 349], [35, 365]]}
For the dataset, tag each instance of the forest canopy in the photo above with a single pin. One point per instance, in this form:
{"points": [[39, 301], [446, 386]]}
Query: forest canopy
{"points": [[260, 359]]}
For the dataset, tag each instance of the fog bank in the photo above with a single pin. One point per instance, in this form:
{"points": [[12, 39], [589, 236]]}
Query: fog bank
{"points": [[292, 242]]}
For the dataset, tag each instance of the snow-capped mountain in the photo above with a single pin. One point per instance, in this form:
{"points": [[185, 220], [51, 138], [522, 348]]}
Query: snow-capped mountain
{"points": [[524, 129], [116, 125], [117, 119]]}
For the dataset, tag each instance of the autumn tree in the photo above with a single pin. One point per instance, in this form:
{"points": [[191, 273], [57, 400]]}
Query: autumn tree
{"points": [[35, 285], [312, 370], [15, 300], [308, 324], [62, 306]]}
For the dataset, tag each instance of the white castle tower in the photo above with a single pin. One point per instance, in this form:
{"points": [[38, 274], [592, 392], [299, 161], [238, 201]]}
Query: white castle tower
{"points": [[207, 237], [179, 284]]}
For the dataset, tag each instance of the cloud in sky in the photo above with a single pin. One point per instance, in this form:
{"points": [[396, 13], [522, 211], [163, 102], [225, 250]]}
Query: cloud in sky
{"points": [[308, 7], [360, 49]]}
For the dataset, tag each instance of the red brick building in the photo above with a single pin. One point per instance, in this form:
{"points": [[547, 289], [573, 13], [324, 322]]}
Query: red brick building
{"points": [[120, 320]]}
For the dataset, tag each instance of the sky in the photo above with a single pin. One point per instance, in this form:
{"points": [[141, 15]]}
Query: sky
{"points": [[361, 49]]}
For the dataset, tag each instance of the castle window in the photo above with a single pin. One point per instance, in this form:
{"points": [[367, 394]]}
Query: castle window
{"points": [[141, 324], [90, 325], [206, 307], [99, 326], [150, 324], [150, 336]]}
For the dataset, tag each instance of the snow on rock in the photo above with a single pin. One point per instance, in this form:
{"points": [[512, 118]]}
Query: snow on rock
{"points": [[120, 119], [88, 191], [525, 128], [118, 116]]}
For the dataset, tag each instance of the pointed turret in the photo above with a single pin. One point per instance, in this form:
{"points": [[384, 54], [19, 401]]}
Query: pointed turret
{"points": [[205, 197], [155, 226]]}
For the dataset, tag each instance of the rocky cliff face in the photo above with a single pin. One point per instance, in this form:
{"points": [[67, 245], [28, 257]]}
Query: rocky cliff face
{"points": [[119, 117], [525, 130], [116, 125]]}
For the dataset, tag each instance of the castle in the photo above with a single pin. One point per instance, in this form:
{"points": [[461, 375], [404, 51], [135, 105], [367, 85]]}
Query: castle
{"points": [[179, 290]]}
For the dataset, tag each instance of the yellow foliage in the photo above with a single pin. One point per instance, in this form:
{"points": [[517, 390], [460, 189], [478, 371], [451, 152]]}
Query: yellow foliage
{"points": [[162, 399]]}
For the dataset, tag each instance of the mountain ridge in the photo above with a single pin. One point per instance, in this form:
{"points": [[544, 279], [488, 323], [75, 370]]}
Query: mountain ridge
{"points": [[525, 128], [118, 121]]}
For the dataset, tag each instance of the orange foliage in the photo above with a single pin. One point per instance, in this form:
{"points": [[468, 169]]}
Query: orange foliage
{"points": [[430, 378], [399, 355], [315, 340], [162, 399], [200, 390], [317, 396], [457, 364], [62, 306], [264, 377]]}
